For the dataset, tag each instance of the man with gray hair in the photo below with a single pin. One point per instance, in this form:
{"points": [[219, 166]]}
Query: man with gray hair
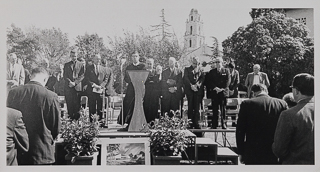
{"points": [[256, 77], [193, 86], [171, 87], [294, 135], [257, 121], [15, 72]]}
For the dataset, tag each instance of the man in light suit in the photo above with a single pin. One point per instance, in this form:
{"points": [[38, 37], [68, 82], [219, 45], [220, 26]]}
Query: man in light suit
{"points": [[256, 125], [73, 74], [294, 137], [15, 72], [17, 136], [193, 86], [97, 78], [41, 115], [256, 77]]}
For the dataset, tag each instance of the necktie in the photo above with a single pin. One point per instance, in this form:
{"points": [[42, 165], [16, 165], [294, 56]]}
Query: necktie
{"points": [[96, 69]]}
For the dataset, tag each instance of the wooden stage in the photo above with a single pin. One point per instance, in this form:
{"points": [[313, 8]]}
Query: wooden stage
{"points": [[216, 134]]}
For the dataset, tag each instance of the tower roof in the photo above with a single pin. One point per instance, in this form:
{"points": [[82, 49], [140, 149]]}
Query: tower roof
{"points": [[194, 11]]}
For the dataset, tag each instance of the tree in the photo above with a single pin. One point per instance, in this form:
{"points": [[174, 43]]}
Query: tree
{"points": [[53, 46], [257, 12], [281, 45], [24, 47], [38, 47], [147, 47], [89, 45]]}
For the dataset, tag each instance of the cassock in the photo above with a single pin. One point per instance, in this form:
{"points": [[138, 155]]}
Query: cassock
{"points": [[128, 101]]}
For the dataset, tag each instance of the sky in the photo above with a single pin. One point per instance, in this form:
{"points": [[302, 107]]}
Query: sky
{"points": [[112, 18]]}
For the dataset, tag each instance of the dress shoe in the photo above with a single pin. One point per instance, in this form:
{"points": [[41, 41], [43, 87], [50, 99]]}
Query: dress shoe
{"points": [[234, 124], [123, 129], [213, 127]]}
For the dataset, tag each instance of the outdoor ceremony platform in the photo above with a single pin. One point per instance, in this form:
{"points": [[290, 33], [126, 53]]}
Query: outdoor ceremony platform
{"points": [[217, 132], [200, 151]]}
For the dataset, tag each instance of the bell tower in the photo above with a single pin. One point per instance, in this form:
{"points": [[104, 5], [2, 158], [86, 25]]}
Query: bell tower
{"points": [[193, 37]]}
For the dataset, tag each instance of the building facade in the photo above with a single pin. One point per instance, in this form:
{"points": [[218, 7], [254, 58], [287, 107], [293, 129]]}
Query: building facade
{"points": [[304, 15], [194, 41]]}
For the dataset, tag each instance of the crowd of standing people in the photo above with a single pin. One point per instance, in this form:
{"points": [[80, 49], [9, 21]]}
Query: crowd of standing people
{"points": [[264, 125]]}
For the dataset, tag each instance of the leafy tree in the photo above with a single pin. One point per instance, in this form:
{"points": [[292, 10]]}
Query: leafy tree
{"points": [[257, 12], [89, 45], [38, 47], [147, 47], [24, 47], [281, 45], [53, 46]]}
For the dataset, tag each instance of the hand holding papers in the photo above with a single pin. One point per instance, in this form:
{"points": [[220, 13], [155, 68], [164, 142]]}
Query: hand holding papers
{"points": [[97, 89]]}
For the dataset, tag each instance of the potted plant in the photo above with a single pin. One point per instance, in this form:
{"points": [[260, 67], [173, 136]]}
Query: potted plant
{"points": [[167, 139], [80, 137]]}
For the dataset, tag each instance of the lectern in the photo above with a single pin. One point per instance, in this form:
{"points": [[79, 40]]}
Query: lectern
{"points": [[138, 79]]}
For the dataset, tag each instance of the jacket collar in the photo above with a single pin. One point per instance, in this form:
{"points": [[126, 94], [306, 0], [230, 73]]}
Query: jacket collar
{"points": [[262, 94], [35, 83], [307, 100]]}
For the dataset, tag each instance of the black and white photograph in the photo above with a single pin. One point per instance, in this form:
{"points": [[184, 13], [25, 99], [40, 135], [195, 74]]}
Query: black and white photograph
{"points": [[160, 85]]}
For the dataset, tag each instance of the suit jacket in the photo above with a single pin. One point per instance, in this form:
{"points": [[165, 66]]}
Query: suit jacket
{"points": [[257, 121], [171, 79], [103, 78], [41, 115], [73, 73], [191, 77], [16, 73], [17, 136], [294, 136], [263, 79], [217, 79], [234, 82]]}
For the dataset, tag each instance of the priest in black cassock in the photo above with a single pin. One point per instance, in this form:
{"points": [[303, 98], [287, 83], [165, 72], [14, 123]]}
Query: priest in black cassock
{"points": [[128, 101], [152, 94]]}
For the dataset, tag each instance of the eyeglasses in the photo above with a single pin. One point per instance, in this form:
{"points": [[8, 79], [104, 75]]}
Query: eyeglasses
{"points": [[291, 86]]}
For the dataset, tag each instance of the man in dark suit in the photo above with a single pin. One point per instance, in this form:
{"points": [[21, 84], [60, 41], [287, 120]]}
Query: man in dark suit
{"points": [[217, 84], [17, 136], [41, 114], [256, 126], [97, 79], [151, 97], [256, 77], [73, 74], [193, 85], [294, 136], [171, 88]]}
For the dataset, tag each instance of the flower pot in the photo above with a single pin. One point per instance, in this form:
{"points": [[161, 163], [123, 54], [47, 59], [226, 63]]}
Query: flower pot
{"points": [[166, 160], [83, 160]]}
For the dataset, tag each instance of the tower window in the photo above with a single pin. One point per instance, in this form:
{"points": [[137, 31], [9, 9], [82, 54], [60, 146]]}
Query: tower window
{"points": [[190, 43], [191, 18], [190, 30]]}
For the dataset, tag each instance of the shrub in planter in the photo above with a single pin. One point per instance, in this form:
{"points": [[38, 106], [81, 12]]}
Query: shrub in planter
{"points": [[166, 135], [80, 136]]}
